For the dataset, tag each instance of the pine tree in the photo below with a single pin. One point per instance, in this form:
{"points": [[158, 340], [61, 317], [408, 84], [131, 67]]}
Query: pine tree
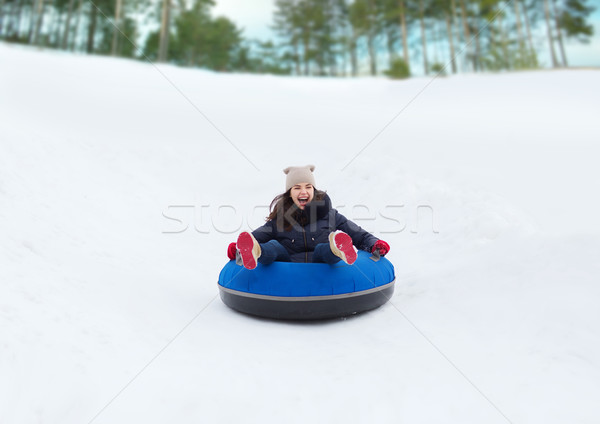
{"points": [[466, 25], [422, 15], [442, 11], [286, 26], [550, 33], [532, 59], [72, 45], [573, 19], [522, 61], [2, 3], [116, 27], [99, 9], [67, 28], [36, 23], [165, 31]]}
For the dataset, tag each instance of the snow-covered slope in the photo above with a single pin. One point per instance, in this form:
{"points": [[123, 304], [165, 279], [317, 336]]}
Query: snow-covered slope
{"points": [[122, 183]]}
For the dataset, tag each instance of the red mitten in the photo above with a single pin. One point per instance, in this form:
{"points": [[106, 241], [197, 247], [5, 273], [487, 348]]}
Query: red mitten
{"points": [[382, 246], [231, 250]]}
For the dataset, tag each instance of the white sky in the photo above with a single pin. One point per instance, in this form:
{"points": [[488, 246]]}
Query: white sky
{"points": [[255, 17]]}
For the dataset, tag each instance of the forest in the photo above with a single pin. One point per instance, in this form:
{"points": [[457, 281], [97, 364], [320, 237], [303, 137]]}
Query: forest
{"points": [[398, 38]]}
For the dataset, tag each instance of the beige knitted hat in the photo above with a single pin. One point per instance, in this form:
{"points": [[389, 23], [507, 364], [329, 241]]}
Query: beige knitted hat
{"points": [[299, 174]]}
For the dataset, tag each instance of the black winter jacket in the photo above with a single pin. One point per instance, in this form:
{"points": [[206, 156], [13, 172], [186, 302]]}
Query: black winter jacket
{"points": [[318, 220]]}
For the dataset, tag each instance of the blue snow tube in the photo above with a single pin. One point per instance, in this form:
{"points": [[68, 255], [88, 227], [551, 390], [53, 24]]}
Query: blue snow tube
{"points": [[304, 291]]}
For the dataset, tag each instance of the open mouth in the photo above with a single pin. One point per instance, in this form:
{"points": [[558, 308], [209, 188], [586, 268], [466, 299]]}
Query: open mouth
{"points": [[302, 201]]}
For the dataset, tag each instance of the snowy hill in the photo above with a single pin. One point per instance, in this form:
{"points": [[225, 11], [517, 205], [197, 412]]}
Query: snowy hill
{"points": [[122, 183]]}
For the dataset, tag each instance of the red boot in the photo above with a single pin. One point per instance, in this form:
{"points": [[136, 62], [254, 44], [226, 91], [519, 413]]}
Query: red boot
{"points": [[342, 247], [249, 250]]}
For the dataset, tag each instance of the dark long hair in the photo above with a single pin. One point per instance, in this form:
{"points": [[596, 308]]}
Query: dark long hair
{"points": [[286, 213]]}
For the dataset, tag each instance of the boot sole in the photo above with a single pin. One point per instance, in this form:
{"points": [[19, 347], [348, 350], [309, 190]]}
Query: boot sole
{"points": [[342, 247], [249, 250]]}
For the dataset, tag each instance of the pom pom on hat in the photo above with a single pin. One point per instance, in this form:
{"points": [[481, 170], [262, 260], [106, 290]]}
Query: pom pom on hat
{"points": [[298, 174]]}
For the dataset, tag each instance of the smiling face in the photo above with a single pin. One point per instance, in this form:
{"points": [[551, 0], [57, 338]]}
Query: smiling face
{"points": [[302, 194]]}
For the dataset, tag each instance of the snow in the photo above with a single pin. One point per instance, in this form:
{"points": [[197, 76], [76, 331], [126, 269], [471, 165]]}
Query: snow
{"points": [[121, 184]]}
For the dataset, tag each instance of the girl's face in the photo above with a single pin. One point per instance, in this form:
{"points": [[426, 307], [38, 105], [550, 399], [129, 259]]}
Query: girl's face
{"points": [[302, 194]]}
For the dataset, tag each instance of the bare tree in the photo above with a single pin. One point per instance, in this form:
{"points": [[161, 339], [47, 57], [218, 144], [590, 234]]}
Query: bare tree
{"points": [[163, 48], [467, 31], [116, 28], [530, 44], [371, 34], [447, 9], [404, 30], [92, 27], [76, 27], [423, 35], [36, 22], [559, 36], [2, 3], [67, 28]]}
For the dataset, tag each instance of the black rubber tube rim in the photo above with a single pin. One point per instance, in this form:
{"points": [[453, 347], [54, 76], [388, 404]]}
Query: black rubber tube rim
{"points": [[307, 307]]}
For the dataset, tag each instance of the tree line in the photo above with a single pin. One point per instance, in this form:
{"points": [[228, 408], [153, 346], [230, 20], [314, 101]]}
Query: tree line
{"points": [[313, 37], [338, 37]]}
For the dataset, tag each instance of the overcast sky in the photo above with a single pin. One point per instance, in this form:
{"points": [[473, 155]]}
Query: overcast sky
{"points": [[255, 17]]}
